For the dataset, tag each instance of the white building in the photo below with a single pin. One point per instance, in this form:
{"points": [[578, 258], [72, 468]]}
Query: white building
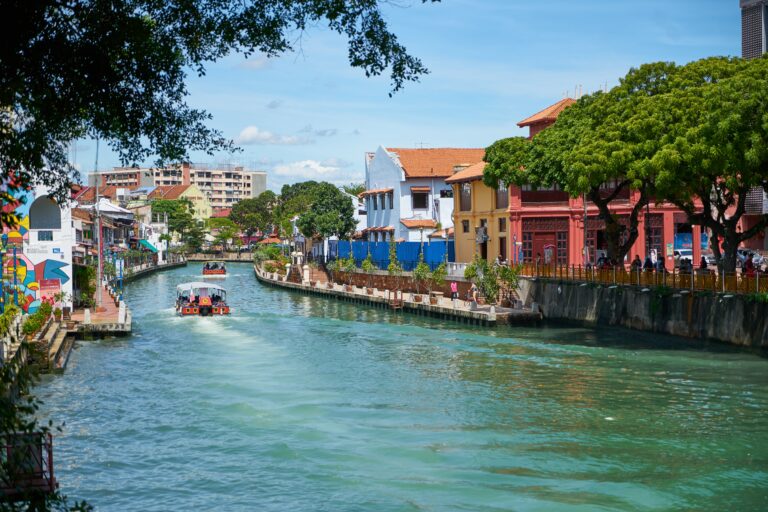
{"points": [[406, 194], [43, 241]]}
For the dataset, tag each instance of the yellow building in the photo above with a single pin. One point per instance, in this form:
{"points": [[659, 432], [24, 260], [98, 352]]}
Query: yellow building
{"points": [[480, 216], [200, 204]]}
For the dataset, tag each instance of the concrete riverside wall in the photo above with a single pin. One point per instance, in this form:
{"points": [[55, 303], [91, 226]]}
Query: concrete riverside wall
{"points": [[731, 319], [139, 272], [383, 281]]}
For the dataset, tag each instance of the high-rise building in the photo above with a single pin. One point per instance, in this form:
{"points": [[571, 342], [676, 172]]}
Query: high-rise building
{"points": [[223, 185], [754, 28], [124, 177]]}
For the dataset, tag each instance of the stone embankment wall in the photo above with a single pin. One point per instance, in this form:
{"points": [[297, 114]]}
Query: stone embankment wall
{"points": [[732, 319], [381, 280]]}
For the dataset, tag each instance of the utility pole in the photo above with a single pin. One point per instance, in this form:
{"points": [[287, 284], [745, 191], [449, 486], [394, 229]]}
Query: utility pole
{"points": [[99, 243]]}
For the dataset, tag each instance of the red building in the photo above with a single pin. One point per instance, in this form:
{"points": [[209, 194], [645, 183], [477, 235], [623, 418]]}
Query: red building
{"points": [[550, 223]]}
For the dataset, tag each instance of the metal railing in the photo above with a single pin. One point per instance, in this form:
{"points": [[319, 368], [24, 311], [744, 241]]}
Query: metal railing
{"points": [[695, 280]]}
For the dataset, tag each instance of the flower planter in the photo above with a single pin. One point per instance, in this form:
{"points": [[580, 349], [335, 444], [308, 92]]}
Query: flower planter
{"points": [[433, 300], [417, 298], [369, 291], [330, 286], [311, 284], [347, 288]]}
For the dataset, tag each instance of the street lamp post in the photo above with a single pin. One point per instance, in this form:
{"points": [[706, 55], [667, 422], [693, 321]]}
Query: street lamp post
{"points": [[4, 239]]}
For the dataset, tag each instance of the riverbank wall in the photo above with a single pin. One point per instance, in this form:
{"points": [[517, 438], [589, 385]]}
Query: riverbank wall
{"points": [[145, 270], [734, 319], [443, 308]]}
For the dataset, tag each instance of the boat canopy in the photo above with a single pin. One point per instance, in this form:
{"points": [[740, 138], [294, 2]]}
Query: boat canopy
{"points": [[201, 289]]}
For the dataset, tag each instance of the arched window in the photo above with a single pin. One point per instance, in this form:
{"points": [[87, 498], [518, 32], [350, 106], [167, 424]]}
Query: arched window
{"points": [[44, 214]]}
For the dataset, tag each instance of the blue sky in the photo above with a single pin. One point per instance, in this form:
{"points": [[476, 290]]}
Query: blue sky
{"points": [[309, 115]]}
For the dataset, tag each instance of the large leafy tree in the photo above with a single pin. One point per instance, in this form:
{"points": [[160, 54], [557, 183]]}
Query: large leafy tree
{"points": [[719, 151], [607, 143], [179, 212], [255, 214], [116, 70], [331, 213]]}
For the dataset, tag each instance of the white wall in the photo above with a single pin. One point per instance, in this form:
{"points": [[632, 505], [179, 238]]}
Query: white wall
{"points": [[381, 172]]}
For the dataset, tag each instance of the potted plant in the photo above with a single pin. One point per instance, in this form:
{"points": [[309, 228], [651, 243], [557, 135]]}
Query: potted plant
{"points": [[57, 314], [349, 269], [394, 269], [509, 277], [368, 267], [436, 280], [420, 276]]}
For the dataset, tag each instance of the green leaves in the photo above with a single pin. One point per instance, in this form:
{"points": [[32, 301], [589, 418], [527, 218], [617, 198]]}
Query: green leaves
{"points": [[117, 71]]}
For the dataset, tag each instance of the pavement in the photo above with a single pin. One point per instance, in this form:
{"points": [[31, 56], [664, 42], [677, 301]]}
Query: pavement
{"points": [[107, 313]]}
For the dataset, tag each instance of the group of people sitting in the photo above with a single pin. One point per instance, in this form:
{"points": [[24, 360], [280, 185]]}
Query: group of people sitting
{"points": [[213, 266]]}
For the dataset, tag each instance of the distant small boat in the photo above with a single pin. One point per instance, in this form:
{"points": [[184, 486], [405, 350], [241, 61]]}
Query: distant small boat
{"points": [[214, 269], [201, 299]]}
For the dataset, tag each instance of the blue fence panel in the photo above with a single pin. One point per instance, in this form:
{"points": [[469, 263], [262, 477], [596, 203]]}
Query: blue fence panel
{"points": [[380, 255], [408, 254], [344, 249], [434, 253], [451, 251], [360, 251]]}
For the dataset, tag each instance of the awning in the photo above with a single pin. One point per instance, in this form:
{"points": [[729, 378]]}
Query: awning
{"points": [[147, 245]]}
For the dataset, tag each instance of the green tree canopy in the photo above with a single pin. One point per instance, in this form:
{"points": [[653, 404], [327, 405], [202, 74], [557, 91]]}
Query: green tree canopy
{"points": [[331, 213], [255, 214], [117, 71], [179, 211], [354, 189]]}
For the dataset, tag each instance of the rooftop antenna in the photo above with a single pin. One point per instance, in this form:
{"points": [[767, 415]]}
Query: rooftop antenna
{"points": [[421, 144]]}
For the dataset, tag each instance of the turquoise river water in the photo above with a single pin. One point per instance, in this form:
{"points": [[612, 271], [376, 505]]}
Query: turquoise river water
{"points": [[297, 403]]}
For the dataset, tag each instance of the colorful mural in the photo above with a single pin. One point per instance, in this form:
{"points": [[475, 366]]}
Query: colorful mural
{"points": [[38, 278]]}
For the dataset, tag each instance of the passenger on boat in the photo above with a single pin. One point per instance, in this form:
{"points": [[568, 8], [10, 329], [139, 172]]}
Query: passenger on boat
{"points": [[207, 266]]}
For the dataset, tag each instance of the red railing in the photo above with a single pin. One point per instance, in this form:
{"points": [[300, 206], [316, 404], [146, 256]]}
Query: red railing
{"points": [[28, 459], [697, 280]]}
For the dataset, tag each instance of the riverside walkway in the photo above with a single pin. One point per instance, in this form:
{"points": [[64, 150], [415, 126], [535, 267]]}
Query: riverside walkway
{"points": [[444, 308]]}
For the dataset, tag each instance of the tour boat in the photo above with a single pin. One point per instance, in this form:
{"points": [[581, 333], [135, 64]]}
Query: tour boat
{"points": [[201, 299], [214, 269]]}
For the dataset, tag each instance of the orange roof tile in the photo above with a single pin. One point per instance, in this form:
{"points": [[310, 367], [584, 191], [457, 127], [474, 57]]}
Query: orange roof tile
{"points": [[471, 173], [549, 114], [375, 191], [437, 162], [168, 191], [88, 194], [80, 213], [439, 234], [224, 212], [418, 223]]}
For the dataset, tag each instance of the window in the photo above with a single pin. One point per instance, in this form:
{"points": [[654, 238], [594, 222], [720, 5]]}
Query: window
{"points": [[383, 203], [503, 225], [373, 202], [445, 194], [44, 214], [465, 200], [562, 247], [503, 249], [465, 226], [45, 236], [420, 200], [502, 197], [391, 200], [528, 247]]}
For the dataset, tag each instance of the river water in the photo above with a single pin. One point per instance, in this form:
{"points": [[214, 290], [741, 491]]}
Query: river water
{"points": [[297, 403]]}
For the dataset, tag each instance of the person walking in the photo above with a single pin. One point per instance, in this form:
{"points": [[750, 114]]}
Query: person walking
{"points": [[637, 264], [454, 292]]}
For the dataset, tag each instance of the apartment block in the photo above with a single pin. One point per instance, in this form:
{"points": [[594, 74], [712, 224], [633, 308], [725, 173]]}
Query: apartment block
{"points": [[754, 28], [124, 177], [223, 185]]}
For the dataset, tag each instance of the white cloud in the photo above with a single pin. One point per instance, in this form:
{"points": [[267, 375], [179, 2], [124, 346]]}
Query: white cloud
{"points": [[252, 135], [331, 171], [308, 169], [323, 132], [255, 62]]}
